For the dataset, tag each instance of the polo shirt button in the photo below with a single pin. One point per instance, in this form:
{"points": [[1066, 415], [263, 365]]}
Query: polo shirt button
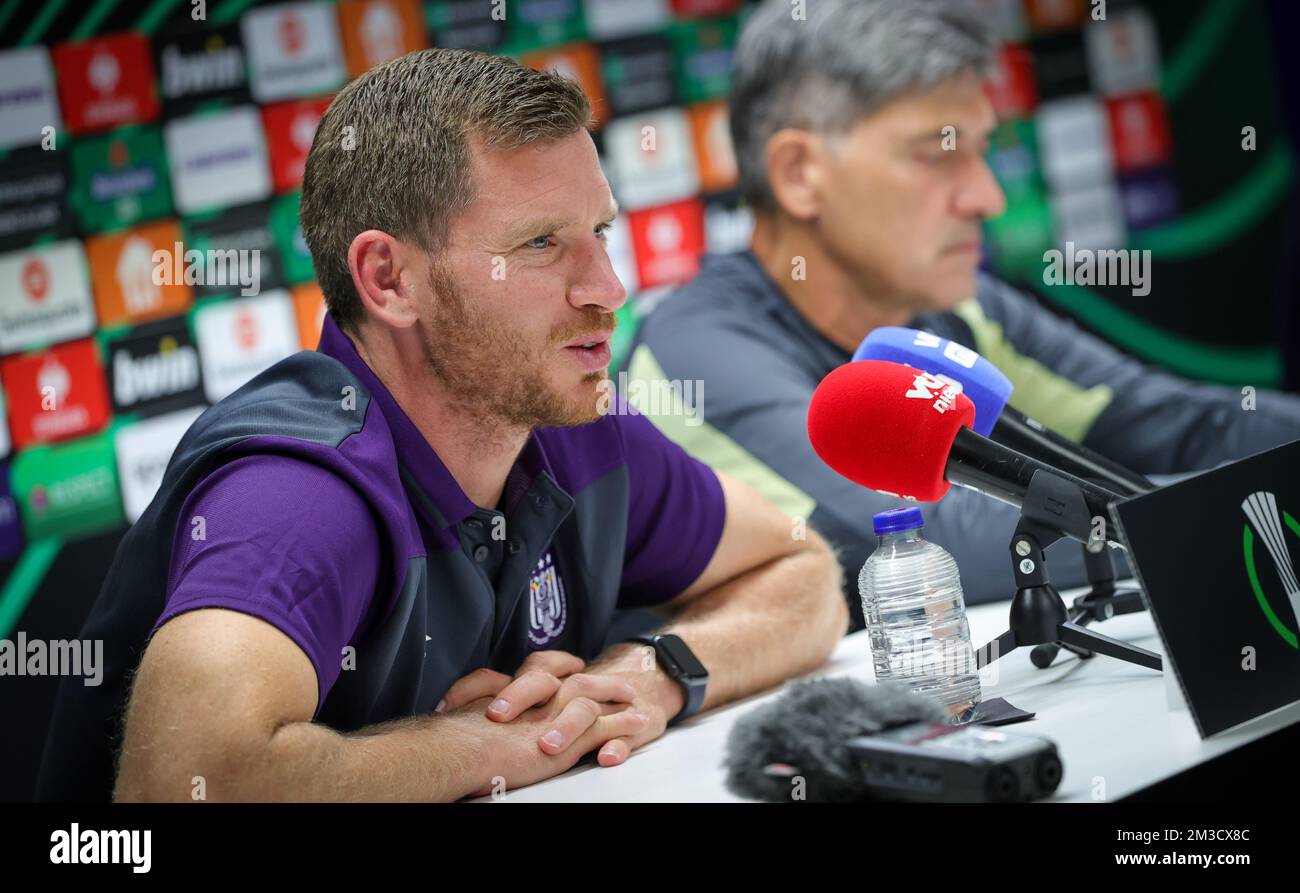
{"points": [[480, 553], [514, 547], [539, 500]]}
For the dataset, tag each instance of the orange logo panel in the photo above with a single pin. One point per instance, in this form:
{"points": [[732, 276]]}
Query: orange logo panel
{"points": [[127, 286], [1056, 15], [713, 151], [309, 310], [375, 31], [579, 61]]}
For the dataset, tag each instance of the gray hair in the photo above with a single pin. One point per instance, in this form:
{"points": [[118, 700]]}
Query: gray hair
{"points": [[843, 61]]}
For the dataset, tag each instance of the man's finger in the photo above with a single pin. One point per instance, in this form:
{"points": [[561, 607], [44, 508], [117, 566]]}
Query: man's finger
{"points": [[608, 729], [617, 751], [614, 752], [482, 683], [557, 663], [595, 686], [575, 719], [529, 690]]}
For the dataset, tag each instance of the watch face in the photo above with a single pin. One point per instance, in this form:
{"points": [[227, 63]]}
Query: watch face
{"points": [[682, 656]]}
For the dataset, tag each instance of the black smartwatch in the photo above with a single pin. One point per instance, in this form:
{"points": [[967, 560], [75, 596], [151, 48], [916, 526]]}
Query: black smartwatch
{"points": [[679, 662]]}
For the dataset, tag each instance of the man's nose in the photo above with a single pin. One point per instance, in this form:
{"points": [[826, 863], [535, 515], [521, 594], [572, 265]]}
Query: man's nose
{"points": [[980, 194], [595, 285]]}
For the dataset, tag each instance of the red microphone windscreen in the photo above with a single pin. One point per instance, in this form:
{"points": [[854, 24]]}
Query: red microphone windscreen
{"points": [[888, 427]]}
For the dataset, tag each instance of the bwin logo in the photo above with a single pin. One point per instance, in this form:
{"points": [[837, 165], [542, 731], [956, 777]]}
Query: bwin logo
{"points": [[1266, 523], [926, 385]]}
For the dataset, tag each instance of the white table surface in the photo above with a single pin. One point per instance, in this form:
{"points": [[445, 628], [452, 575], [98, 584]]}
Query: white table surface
{"points": [[1112, 722]]}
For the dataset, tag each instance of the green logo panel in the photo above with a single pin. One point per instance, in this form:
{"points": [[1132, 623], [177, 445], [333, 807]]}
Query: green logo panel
{"points": [[120, 179], [287, 230], [703, 52], [1013, 156], [69, 490], [1018, 238], [534, 24]]}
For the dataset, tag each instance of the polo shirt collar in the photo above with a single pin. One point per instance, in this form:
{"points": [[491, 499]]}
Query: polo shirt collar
{"points": [[444, 503]]}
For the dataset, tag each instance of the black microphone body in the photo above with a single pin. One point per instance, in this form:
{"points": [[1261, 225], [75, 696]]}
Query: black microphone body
{"points": [[1025, 435], [988, 467]]}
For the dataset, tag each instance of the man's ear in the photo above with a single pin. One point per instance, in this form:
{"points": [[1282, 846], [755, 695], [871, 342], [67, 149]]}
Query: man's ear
{"points": [[796, 161], [384, 272]]}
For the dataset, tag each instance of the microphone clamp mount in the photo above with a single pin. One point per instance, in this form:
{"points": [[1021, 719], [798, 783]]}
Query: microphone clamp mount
{"points": [[1039, 617]]}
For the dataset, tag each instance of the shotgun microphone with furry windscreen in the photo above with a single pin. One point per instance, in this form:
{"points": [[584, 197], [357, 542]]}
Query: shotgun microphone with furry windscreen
{"points": [[839, 740]]}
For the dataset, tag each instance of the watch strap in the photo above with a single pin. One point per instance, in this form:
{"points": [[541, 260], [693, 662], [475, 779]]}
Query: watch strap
{"points": [[692, 688]]}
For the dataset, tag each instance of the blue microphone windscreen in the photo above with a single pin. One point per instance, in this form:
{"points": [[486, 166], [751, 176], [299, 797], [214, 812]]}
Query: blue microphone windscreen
{"points": [[985, 384]]}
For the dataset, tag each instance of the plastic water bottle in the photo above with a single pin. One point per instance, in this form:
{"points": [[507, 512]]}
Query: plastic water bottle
{"points": [[915, 615]]}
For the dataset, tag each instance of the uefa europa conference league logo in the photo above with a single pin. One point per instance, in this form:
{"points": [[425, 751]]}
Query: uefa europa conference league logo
{"points": [[1267, 524]]}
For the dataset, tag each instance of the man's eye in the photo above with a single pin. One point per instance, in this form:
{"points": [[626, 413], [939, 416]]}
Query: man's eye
{"points": [[539, 243], [602, 229]]}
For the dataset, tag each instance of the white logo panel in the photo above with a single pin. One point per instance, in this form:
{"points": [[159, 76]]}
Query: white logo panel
{"points": [[4, 428], [143, 451], [27, 98], [1074, 141], [1123, 53], [240, 338], [44, 296], [217, 160], [651, 159], [293, 51]]}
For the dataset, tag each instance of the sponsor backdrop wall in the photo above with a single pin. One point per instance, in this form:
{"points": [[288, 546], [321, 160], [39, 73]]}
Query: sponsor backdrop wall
{"points": [[132, 127]]}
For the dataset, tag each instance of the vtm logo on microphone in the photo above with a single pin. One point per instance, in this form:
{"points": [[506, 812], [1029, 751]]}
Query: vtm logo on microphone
{"points": [[926, 385], [958, 353], [1267, 523]]}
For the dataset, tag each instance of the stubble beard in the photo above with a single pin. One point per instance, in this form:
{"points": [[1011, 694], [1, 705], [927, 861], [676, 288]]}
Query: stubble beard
{"points": [[491, 375]]}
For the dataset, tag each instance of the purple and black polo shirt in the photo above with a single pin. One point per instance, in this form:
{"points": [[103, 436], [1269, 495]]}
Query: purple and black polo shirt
{"points": [[309, 499]]}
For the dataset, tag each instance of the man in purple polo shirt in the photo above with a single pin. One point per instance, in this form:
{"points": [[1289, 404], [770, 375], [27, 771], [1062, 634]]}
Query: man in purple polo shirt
{"points": [[387, 569]]}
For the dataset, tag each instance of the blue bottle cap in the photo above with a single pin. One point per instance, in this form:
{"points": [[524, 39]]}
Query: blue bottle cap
{"points": [[895, 520]]}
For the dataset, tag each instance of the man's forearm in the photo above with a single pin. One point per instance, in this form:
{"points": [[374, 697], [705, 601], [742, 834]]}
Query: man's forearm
{"points": [[778, 620], [424, 758]]}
